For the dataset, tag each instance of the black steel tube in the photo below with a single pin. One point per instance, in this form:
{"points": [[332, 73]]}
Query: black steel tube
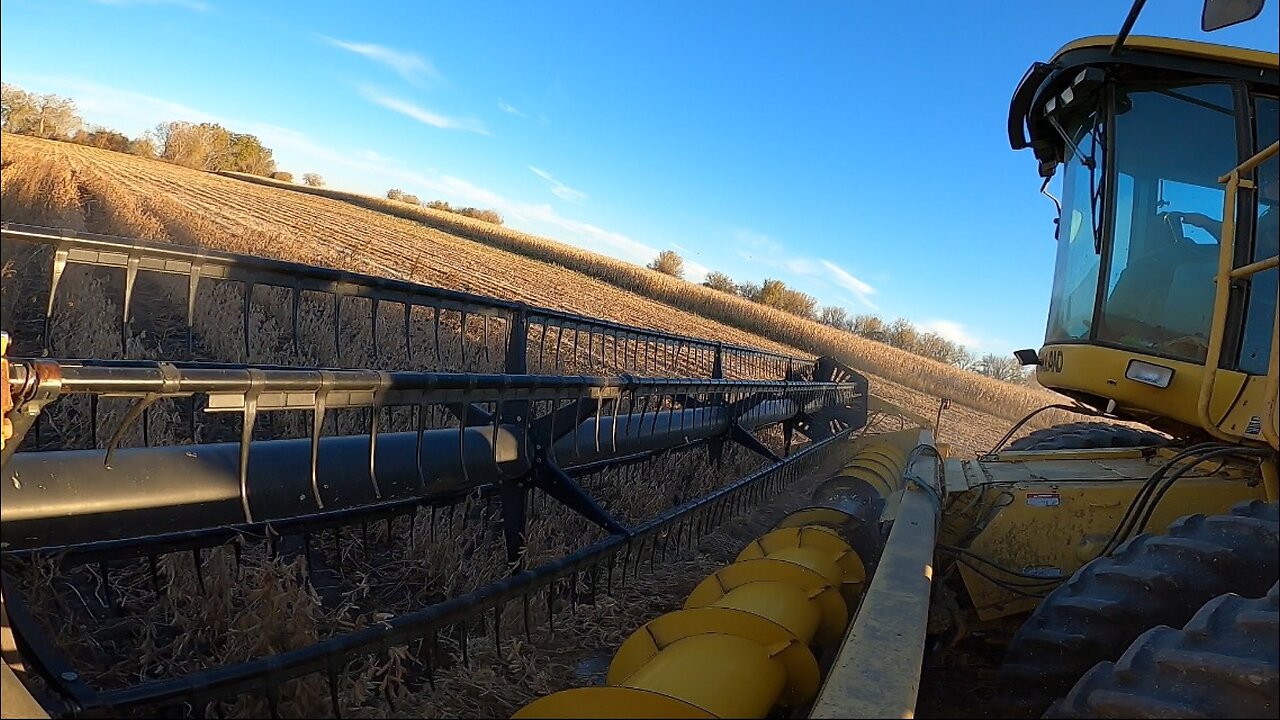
{"points": [[660, 430], [136, 377], [69, 496]]}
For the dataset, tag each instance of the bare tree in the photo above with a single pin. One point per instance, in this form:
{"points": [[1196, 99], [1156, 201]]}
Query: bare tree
{"points": [[902, 334], [191, 145], [835, 316], [46, 116], [13, 99], [668, 262], [209, 146], [749, 290], [101, 137], [717, 280], [489, 216], [933, 345], [143, 147], [868, 325], [312, 180], [1000, 367]]}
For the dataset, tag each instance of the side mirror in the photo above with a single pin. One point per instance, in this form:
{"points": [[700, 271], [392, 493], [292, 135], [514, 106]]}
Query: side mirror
{"points": [[1225, 13], [1027, 357]]}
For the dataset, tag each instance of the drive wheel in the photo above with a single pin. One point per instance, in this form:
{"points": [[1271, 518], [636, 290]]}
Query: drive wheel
{"points": [[1150, 580], [1087, 436], [1224, 663]]}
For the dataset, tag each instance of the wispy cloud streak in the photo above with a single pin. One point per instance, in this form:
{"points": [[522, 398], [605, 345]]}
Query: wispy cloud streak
{"points": [[764, 249], [421, 114], [558, 188], [197, 5], [410, 66]]}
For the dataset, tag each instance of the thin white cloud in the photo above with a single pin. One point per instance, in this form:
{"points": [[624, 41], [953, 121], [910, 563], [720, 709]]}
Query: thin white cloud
{"points": [[558, 188], [841, 277], [508, 108], [760, 248], [803, 266], [196, 5], [953, 331], [411, 66], [371, 156], [695, 271], [757, 244], [421, 114]]}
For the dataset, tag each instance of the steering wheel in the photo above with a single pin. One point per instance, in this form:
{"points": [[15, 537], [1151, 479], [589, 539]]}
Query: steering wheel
{"points": [[1173, 221]]}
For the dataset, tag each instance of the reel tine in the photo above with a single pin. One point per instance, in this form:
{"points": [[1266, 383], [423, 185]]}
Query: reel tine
{"points": [[435, 322], [408, 333], [273, 699], [337, 327], [295, 311], [528, 636], [373, 327], [332, 681], [197, 558], [559, 341], [462, 337], [542, 346], [154, 572], [104, 569], [497, 628]]}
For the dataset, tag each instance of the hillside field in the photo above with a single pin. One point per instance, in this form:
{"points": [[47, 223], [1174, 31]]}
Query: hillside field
{"points": [[86, 189]]}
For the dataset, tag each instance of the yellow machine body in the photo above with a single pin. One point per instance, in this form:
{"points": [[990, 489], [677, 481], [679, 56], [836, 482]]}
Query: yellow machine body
{"points": [[1048, 513], [1238, 401]]}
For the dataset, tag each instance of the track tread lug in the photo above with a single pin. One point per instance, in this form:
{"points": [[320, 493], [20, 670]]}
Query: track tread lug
{"points": [[1151, 580], [1225, 662]]}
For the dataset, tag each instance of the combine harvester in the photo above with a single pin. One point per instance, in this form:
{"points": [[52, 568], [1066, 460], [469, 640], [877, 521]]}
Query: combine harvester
{"points": [[1125, 573]]}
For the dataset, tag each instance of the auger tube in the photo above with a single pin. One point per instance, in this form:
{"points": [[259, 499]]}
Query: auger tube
{"points": [[748, 638], [70, 496]]}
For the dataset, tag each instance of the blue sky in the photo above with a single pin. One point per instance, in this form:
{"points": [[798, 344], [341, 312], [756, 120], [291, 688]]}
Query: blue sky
{"points": [[856, 151]]}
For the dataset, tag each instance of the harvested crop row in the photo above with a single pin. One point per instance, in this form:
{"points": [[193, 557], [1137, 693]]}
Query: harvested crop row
{"points": [[229, 214]]}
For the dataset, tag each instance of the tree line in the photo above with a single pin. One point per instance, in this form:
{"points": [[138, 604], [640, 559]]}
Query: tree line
{"points": [[899, 333], [489, 216], [203, 146]]}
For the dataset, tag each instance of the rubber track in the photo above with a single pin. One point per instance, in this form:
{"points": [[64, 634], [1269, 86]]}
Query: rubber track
{"points": [[1085, 436], [1225, 663], [1150, 580]]}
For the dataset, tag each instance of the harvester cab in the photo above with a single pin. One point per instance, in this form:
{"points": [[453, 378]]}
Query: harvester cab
{"points": [[1164, 294]]}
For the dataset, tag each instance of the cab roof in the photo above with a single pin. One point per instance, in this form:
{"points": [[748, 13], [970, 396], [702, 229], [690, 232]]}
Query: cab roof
{"points": [[1174, 46], [1142, 55]]}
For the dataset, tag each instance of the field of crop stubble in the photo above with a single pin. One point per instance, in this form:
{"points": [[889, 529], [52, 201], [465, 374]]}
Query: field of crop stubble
{"points": [[64, 185], [132, 626]]}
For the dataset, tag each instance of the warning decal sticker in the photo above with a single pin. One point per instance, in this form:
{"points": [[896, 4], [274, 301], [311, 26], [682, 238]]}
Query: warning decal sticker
{"points": [[1050, 499]]}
